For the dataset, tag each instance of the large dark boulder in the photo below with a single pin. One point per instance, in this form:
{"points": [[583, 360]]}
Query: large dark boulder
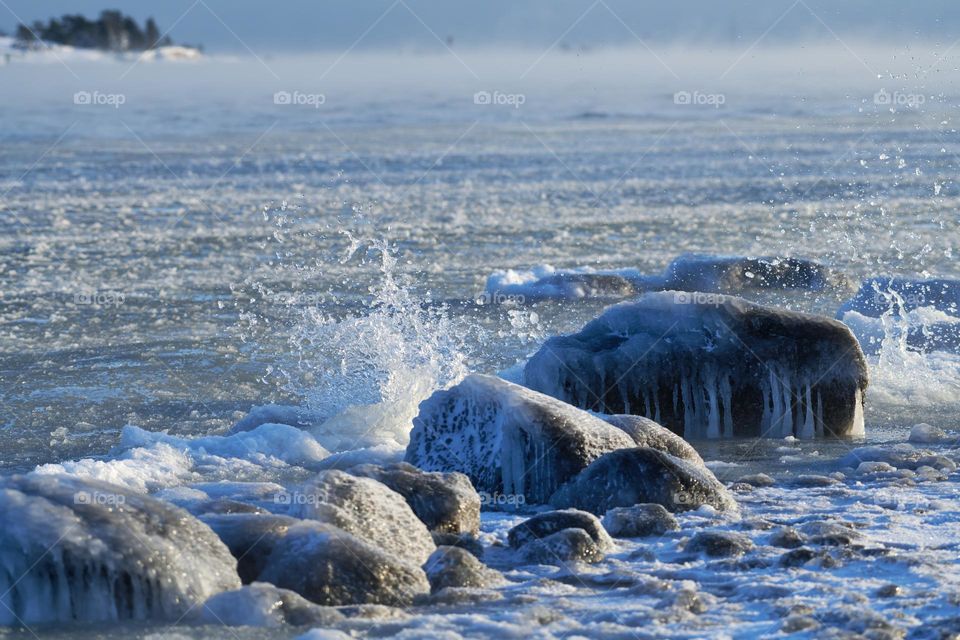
{"points": [[710, 366]]}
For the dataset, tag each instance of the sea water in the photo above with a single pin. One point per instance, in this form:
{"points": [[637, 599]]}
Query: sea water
{"points": [[200, 250]]}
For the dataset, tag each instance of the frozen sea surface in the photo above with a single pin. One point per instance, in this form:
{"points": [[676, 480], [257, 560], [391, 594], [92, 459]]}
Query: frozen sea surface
{"points": [[201, 250]]}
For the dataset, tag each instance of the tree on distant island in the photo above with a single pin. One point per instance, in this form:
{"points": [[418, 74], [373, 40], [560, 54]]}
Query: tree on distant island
{"points": [[113, 31]]}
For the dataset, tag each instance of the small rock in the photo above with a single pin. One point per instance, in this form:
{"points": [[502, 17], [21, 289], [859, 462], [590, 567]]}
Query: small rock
{"points": [[786, 538], [719, 543], [456, 567], [568, 545], [811, 480], [758, 480], [795, 624], [639, 521], [545, 524], [889, 591]]}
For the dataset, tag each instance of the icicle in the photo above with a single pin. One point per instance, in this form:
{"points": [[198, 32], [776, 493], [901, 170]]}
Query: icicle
{"points": [[808, 430]]}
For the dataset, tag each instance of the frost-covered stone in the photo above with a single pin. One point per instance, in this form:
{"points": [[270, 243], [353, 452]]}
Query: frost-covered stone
{"points": [[719, 543], [639, 521], [250, 537], [456, 567], [329, 566], [567, 545], [736, 274], [74, 550], [900, 456], [647, 433], [367, 509], [928, 434], [758, 480], [508, 439], [293, 416], [550, 522], [263, 605], [710, 366], [445, 502], [642, 475]]}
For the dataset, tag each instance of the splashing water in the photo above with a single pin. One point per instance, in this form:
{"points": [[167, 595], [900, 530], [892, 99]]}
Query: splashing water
{"points": [[365, 374], [901, 376]]}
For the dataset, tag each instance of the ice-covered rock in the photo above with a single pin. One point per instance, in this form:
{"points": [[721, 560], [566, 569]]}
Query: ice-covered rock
{"points": [[508, 439], [877, 296], [566, 545], [928, 434], [710, 366], [251, 538], [900, 456], [647, 433], [456, 567], [366, 508], [544, 282], [445, 502], [642, 475], [545, 524], [74, 550], [329, 566], [293, 416], [639, 521], [735, 274], [719, 543], [263, 605]]}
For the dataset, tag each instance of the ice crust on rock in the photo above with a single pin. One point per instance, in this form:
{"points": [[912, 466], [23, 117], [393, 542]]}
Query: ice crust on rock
{"points": [[736, 274], [263, 605], [567, 545], [366, 508], [75, 550], [550, 522], [627, 477], [251, 538], [456, 567], [647, 433], [639, 521], [329, 566], [688, 272], [445, 502], [710, 366], [508, 439], [291, 415]]}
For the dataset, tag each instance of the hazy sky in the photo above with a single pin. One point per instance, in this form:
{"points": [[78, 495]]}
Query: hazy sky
{"points": [[325, 25]]}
